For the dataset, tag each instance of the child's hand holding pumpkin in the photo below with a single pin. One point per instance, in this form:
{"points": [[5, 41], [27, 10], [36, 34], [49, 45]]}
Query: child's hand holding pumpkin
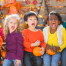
{"points": [[42, 50], [48, 47], [58, 48], [55, 49]]}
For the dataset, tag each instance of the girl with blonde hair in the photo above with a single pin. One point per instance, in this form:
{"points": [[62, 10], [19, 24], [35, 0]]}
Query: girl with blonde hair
{"points": [[14, 41]]}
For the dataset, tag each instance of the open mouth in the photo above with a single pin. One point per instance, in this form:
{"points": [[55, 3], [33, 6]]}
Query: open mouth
{"points": [[33, 24], [11, 3], [53, 24], [12, 27]]}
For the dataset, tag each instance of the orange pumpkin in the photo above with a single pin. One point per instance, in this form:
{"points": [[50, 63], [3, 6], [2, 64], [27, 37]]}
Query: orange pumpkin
{"points": [[50, 52], [3, 53], [36, 51]]}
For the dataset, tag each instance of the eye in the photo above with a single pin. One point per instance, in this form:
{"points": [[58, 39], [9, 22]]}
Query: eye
{"points": [[50, 19], [56, 19], [30, 19], [11, 22], [34, 19]]}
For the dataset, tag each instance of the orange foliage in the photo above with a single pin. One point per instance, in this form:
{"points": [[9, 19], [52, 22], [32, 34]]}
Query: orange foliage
{"points": [[3, 53], [13, 6]]}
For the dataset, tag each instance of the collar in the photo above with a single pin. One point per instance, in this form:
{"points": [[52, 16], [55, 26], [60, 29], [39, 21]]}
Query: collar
{"points": [[12, 33]]}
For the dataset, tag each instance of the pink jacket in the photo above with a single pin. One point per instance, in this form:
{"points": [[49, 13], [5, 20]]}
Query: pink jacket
{"points": [[1, 33]]}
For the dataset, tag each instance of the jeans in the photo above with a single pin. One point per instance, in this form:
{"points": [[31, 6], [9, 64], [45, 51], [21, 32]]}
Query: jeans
{"points": [[53, 60], [63, 58], [31, 60], [9, 62]]}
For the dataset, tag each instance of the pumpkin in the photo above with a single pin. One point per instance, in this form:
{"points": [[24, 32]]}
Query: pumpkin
{"points": [[50, 52], [36, 51], [3, 53]]}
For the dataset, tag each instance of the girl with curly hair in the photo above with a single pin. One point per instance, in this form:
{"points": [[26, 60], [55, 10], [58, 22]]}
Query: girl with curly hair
{"points": [[14, 41]]}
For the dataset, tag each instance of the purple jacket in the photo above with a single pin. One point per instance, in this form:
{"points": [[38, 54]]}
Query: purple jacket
{"points": [[14, 45]]}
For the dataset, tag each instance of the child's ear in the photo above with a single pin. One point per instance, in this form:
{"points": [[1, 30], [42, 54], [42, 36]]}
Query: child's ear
{"points": [[26, 22]]}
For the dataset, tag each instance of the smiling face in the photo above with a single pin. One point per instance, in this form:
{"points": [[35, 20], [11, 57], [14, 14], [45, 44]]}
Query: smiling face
{"points": [[10, 1], [53, 21], [32, 22], [12, 24]]}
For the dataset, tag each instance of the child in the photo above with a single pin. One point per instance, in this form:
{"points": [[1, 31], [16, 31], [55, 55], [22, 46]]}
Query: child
{"points": [[54, 34], [14, 40], [1, 39], [32, 38]]}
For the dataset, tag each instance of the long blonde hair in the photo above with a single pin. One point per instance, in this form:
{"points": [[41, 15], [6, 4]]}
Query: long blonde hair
{"points": [[5, 24]]}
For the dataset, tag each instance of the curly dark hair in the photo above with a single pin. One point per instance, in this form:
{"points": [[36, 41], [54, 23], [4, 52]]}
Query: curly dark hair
{"points": [[57, 14]]}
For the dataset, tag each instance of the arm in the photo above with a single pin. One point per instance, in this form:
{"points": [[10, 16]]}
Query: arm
{"points": [[18, 62], [43, 44], [28, 44], [37, 43], [20, 49], [53, 48], [64, 40], [48, 47]]}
